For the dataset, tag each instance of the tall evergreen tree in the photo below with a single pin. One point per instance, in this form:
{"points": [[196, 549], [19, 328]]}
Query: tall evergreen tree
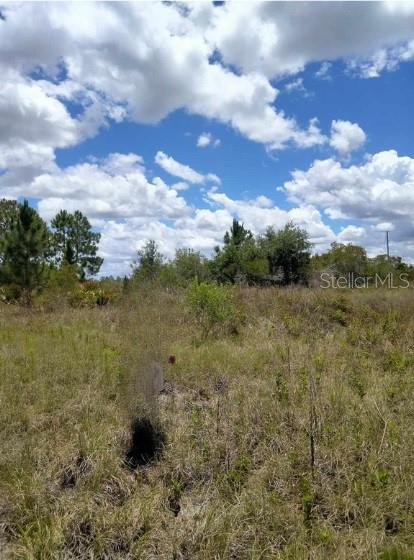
{"points": [[237, 235], [240, 258], [149, 263], [9, 211], [74, 242], [62, 227], [26, 246], [69, 255]]}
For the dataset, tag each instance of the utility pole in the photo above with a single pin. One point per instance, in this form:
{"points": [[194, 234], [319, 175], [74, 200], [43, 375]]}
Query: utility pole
{"points": [[388, 246]]}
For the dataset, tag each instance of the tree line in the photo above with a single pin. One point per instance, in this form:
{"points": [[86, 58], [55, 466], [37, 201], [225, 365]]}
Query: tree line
{"points": [[277, 257], [30, 252], [281, 257]]}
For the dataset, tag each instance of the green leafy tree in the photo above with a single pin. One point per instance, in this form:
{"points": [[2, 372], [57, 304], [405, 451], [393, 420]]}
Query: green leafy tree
{"points": [[26, 247], [347, 259], [288, 253], [74, 242], [254, 265], [187, 265], [149, 263], [383, 266], [190, 264]]}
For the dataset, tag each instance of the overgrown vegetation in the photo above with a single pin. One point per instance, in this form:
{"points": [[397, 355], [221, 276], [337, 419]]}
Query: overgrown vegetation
{"points": [[189, 412], [290, 438]]}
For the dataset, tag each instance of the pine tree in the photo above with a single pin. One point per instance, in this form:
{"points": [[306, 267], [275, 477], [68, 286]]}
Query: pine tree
{"points": [[26, 246], [61, 224], [149, 262], [74, 242], [240, 258], [9, 211], [69, 255], [237, 235]]}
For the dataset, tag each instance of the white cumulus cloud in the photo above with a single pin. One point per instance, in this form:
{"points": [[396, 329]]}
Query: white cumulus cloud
{"points": [[185, 172], [109, 52], [281, 38], [380, 191], [346, 137], [114, 188]]}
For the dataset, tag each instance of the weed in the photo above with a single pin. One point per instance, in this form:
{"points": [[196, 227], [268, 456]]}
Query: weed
{"points": [[239, 414]]}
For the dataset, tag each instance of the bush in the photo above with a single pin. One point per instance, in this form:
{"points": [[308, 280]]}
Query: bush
{"points": [[92, 293], [212, 307], [60, 288], [64, 288]]}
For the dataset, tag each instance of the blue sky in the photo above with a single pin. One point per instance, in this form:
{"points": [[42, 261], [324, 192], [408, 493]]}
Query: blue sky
{"points": [[166, 121]]}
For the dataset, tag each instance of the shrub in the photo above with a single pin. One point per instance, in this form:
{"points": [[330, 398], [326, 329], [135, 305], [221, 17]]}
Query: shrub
{"points": [[64, 288], [61, 286], [90, 294], [212, 306]]}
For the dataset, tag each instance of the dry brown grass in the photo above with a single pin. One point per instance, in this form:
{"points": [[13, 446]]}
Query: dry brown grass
{"points": [[235, 477]]}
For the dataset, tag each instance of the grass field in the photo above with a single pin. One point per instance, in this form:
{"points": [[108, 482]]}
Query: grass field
{"points": [[290, 437]]}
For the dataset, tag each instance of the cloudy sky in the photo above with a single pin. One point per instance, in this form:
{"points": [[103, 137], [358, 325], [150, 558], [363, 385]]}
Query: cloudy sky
{"points": [[165, 121]]}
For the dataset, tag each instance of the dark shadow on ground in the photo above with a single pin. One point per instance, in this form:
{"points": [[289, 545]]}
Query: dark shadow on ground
{"points": [[147, 443]]}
